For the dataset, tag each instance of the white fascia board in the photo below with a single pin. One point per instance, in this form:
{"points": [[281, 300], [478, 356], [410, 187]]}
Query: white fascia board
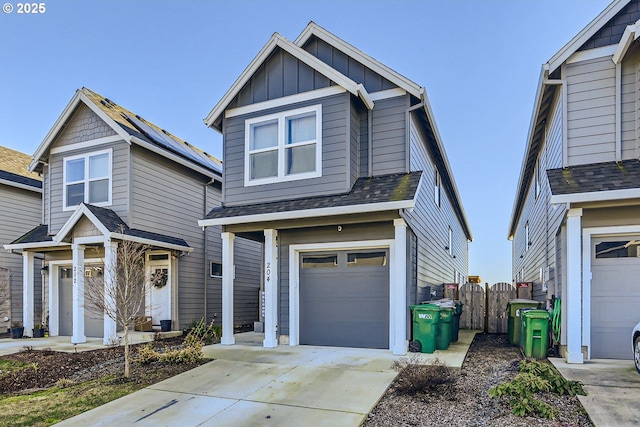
{"points": [[150, 242], [20, 186], [81, 211], [429, 112], [386, 94], [309, 213], [36, 245], [364, 95], [630, 34], [177, 159], [278, 41], [587, 32], [285, 100], [66, 114], [586, 55], [596, 196], [86, 144], [360, 56]]}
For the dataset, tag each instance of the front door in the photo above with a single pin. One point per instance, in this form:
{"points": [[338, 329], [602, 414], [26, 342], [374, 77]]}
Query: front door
{"points": [[159, 304]]}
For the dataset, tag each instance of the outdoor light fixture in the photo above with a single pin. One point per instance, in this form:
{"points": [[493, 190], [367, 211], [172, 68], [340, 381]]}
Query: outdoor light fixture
{"points": [[44, 270]]}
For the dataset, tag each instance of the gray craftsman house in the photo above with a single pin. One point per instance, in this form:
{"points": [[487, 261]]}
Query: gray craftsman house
{"points": [[575, 224], [20, 208], [334, 163], [111, 176]]}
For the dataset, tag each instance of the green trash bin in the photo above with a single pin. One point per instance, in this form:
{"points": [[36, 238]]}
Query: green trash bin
{"points": [[455, 324], [513, 309], [443, 337], [522, 312], [536, 333], [425, 322]]}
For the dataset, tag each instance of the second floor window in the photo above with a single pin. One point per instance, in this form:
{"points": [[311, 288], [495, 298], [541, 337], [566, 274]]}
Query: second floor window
{"points": [[436, 187], [284, 146], [87, 178]]}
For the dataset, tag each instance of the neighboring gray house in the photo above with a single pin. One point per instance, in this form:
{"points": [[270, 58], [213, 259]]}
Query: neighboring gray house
{"points": [[333, 161], [575, 224], [20, 208], [109, 176]]}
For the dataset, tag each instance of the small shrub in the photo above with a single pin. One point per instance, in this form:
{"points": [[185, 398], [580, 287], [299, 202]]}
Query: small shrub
{"points": [[27, 349], [189, 352], [559, 384], [203, 332], [416, 376], [147, 354]]}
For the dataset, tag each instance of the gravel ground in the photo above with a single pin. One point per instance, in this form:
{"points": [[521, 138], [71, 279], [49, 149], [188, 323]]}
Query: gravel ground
{"points": [[465, 403]]}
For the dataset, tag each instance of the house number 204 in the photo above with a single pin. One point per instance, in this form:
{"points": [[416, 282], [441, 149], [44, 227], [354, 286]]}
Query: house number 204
{"points": [[268, 271]]}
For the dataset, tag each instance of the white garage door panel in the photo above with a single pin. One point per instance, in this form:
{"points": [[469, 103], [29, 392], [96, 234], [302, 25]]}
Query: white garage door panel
{"points": [[615, 298]]}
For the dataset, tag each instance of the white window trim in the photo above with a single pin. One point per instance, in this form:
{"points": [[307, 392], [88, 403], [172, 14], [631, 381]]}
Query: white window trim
{"points": [[527, 237], [537, 189], [450, 246], [437, 190], [281, 147], [86, 178]]}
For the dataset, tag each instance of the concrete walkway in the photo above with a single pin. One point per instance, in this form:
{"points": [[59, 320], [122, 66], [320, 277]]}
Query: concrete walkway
{"points": [[247, 385], [613, 390]]}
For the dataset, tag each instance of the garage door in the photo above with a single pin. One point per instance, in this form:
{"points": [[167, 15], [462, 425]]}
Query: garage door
{"points": [[615, 295], [344, 299]]}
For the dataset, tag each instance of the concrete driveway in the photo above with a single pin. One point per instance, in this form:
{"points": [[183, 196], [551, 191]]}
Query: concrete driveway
{"points": [[247, 385], [613, 390]]}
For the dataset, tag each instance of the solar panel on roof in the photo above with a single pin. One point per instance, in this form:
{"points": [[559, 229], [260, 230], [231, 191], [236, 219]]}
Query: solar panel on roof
{"points": [[168, 142]]}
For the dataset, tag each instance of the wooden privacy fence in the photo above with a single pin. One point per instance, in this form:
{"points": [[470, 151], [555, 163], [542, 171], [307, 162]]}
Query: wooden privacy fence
{"points": [[485, 307]]}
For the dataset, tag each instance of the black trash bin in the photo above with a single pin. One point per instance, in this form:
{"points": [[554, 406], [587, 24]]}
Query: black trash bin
{"points": [[165, 325]]}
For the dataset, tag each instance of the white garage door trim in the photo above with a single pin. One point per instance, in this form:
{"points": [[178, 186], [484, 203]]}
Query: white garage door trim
{"points": [[294, 280], [587, 235]]}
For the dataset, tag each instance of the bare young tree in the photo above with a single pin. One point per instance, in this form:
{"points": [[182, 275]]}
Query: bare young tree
{"points": [[5, 292], [121, 292]]}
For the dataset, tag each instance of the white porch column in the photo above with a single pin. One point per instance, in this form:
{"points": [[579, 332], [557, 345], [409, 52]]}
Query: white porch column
{"points": [[398, 296], [78, 295], [54, 312], [109, 269], [228, 274], [271, 289], [27, 292], [573, 300]]}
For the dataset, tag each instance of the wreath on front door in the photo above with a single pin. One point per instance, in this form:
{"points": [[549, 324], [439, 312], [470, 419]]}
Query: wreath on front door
{"points": [[160, 281]]}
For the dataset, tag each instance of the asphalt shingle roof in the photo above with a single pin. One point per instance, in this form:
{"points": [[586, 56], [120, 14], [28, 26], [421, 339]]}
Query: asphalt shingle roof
{"points": [[111, 221], [378, 189], [595, 177], [14, 167]]}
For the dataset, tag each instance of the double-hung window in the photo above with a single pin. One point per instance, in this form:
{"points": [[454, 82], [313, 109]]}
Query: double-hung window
{"points": [[284, 146], [87, 178]]}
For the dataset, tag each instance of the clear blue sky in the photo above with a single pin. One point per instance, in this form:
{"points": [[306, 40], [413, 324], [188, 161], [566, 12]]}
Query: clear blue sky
{"points": [[171, 61]]}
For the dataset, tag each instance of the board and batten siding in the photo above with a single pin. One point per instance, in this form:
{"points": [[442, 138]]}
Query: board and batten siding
{"points": [[389, 148], [431, 223], [21, 211], [350, 232], [591, 111], [280, 75], [354, 144], [346, 65], [119, 182], [335, 127], [543, 218], [629, 103]]}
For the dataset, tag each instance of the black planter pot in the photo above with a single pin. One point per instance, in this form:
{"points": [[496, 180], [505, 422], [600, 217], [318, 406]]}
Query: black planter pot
{"points": [[17, 333], [165, 325], [38, 333]]}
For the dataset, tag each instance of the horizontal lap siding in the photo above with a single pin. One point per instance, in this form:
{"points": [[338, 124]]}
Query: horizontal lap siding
{"points": [[351, 232], [431, 223], [21, 211], [544, 219], [168, 199], [335, 111], [629, 104], [120, 182], [388, 135], [591, 111]]}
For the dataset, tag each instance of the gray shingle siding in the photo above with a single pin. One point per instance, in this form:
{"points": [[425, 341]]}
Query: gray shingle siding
{"points": [[611, 33], [84, 125]]}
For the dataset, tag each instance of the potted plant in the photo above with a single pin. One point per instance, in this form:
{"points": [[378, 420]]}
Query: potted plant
{"points": [[38, 331], [17, 330]]}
